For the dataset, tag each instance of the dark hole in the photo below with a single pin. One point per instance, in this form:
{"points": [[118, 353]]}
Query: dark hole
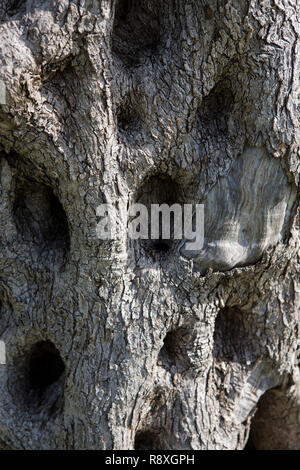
{"points": [[160, 189], [39, 215], [147, 440], [173, 355], [171, 343], [275, 423], [162, 247], [127, 117], [209, 14], [216, 108], [14, 5], [233, 336], [250, 444], [136, 30], [122, 10], [45, 366]]}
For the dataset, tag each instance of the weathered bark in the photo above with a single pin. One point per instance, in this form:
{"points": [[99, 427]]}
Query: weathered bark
{"points": [[121, 344]]}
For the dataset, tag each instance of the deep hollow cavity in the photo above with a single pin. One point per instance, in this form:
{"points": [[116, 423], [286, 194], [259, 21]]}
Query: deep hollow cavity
{"points": [[36, 380], [234, 336], [161, 246], [159, 190], [276, 414], [215, 109], [39, 216], [147, 440], [15, 6], [181, 350], [136, 30], [170, 352], [45, 366], [128, 120], [250, 444]]}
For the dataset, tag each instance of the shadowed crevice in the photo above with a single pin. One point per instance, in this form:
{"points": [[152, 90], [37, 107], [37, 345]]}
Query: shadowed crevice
{"points": [[128, 119], [215, 110], [234, 337], [40, 218], [15, 6], [173, 353], [36, 381], [45, 366], [159, 189], [148, 440], [275, 425], [136, 30]]}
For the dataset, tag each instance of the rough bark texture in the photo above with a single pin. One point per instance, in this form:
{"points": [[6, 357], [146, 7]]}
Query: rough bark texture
{"points": [[128, 345]]}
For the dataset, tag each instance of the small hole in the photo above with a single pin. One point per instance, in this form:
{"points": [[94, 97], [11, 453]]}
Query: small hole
{"points": [[208, 12], [162, 247], [14, 6], [45, 366], [171, 344], [179, 351], [147, 440], [36, 380], [216, 108], [127, 118]]}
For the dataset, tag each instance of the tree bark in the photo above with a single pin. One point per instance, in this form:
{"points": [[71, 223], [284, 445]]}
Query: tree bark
{"points": [[122, 344]]}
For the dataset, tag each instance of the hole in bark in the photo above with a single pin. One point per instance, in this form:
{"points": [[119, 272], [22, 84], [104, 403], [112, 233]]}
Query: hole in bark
{"points": [[275, 425], [136, 30], [250, 444], [233, 336], [162, 247], [45, 366], [127, 118], [36, 380], [14, 6], [169, 351], [147, 440], [179, 351], [208, 12], [215, 110], [39, 216], [159, 190], [58, 75]]}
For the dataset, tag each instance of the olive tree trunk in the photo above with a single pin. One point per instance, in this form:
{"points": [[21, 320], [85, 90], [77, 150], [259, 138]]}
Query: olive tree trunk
{"points": [[145, 344]]}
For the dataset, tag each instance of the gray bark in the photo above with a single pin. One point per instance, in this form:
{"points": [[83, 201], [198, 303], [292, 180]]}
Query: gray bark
{"points": [[136, 345]]}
